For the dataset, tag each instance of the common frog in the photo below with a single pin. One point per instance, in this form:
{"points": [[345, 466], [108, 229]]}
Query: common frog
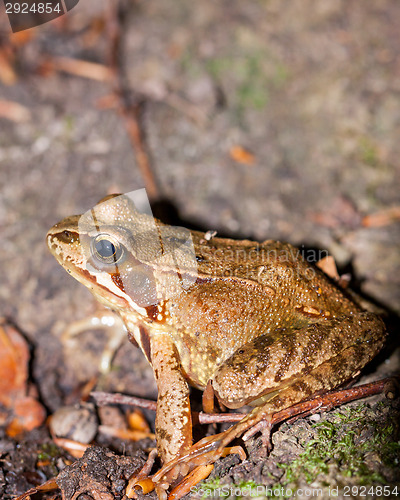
{"points": [[254, 323]]}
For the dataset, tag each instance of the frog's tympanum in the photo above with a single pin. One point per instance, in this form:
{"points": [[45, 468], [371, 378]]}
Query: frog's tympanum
{"points": [[255, 323]]}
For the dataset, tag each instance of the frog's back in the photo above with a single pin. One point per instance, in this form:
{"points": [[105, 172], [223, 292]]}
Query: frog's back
{"points": [[287, 280], [244, 290]]}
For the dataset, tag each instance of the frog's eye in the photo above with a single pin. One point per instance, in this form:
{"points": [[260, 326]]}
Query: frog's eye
{"points": [[106, 249]]}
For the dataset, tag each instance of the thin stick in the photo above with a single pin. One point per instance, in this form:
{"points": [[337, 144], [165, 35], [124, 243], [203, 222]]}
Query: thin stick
{"points": [[131, 113], [321, 403], [106, 398]]}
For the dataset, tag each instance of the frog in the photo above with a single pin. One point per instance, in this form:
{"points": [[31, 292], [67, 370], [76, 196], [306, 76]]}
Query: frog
{"points": [[248, 323]]}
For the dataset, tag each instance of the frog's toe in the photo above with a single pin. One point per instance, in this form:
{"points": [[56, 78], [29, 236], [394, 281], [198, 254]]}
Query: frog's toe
{"points": [[185, 471], [265, 427], [204, 452], [189, 482]]}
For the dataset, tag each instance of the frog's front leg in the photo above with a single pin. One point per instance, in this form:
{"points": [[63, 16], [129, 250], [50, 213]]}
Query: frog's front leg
{"points": [[278, 370], [173, 418]]}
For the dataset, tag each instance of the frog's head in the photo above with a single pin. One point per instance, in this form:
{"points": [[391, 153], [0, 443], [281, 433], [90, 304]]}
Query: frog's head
{"points": [[128, 259]]}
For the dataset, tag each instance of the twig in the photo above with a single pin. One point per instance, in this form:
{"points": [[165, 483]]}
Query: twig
{"points": [[328, 401], [106, 398], [131, 113], [79, 67], [322, 403], [382, 218]]}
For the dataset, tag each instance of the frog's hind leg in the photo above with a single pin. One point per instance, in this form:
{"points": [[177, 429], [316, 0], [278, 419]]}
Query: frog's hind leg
{"points": [[287, 358], [352, 342], [307, 361]]}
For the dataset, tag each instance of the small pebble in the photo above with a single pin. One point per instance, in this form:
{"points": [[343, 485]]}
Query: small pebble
{"points": [[78, 423]]}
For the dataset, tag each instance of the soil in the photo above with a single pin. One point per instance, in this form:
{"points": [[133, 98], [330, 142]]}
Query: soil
{"points": [[262, 119]]}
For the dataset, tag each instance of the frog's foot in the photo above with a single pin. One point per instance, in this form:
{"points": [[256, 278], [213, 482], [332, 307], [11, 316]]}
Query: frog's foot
{"points": [[205, 452], [196, 464]]}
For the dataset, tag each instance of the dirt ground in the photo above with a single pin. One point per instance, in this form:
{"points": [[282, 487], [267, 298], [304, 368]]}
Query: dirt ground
{"points": [[262, 119]]}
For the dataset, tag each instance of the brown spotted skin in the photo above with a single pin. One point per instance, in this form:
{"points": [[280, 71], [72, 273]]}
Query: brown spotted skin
{"points": [[271, 362], [255, 321]]}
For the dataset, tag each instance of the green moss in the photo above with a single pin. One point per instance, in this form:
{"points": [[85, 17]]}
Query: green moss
{"points": [[383, 439], [48, 451], [368, 152], [246, 71], [345, 442]]}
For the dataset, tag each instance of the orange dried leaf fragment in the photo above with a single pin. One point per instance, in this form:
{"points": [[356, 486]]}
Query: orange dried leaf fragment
{"points": [[328, 266], [21, 38], [14, 111], [242, 155], [74, 448], [25, 412], [143, 486], [382, 218], [8, 75], [137, 422], [125, 433]]}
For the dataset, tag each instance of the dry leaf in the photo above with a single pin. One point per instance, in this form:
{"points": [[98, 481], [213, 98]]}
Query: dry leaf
{"points": [[241, 155], [328, 266], [340, 213], [14, 111], [95, 30], [125, 433], [136, 421], [27, 413], [21, 38], [74, 448], [7, 73]]}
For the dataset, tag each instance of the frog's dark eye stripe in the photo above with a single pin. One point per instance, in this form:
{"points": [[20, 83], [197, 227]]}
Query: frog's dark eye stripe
{"points": [[106, 250]]}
